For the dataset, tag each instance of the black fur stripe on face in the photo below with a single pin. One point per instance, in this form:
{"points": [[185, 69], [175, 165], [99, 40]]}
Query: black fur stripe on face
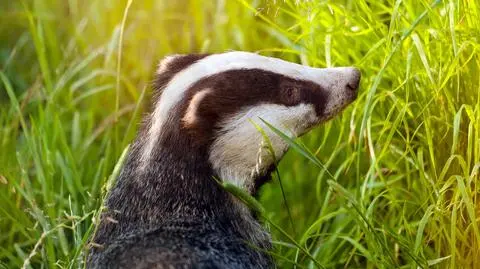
{"points": [[231, 91]]}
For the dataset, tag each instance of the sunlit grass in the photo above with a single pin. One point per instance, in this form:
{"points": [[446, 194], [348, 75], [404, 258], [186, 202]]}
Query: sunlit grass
{"points": [[391, 183]]}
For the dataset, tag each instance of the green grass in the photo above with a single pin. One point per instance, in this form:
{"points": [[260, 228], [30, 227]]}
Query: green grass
{"points": [[392, 183]]}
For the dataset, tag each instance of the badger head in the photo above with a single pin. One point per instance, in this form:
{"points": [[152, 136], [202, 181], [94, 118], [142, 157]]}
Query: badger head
{"points": [[220, 101]]}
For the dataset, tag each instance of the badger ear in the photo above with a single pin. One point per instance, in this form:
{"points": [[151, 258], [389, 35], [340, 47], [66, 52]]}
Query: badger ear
{"points": [[191, 114], [171, 65]]}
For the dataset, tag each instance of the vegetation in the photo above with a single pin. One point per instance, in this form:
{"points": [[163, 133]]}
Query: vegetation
{"points": [[392, 183]]}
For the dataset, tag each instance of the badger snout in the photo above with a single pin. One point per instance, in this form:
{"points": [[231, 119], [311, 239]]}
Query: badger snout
{"points": [[342, 86], [345, 80], [353, 80]]}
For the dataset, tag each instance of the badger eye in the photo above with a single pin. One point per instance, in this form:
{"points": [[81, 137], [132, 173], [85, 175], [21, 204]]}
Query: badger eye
{"points": [[291, 94]]}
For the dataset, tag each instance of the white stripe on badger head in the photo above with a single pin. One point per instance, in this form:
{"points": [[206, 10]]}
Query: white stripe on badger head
{"points": [[218, 63], [239, 152]]}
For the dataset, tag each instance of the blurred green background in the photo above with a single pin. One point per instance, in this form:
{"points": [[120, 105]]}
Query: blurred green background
{"points": [[391, 183]]}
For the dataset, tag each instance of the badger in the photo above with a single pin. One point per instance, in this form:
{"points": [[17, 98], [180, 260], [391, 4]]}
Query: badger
{"points": [[208, 124]]}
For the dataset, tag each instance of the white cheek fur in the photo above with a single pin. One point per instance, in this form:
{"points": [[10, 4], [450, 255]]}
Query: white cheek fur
{"points": [[240, 152]]}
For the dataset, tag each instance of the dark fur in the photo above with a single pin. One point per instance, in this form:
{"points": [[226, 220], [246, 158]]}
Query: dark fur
{"points": [[173, 214]]}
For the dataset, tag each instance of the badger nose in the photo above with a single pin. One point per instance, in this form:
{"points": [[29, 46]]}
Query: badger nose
{"points": [[353, 79]]}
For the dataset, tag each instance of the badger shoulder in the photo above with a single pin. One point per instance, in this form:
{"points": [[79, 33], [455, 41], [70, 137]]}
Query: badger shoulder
{"points": [[182, 244]]}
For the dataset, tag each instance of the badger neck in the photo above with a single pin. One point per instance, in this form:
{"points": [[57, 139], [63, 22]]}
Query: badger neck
{"points": [[177, 184]]}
